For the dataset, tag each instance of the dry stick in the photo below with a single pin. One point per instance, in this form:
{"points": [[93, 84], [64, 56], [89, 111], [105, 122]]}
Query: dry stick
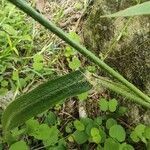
{"points": [[23, 5]]}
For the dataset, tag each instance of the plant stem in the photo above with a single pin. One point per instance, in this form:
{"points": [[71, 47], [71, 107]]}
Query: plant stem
{"points": [[22, 4], [120, 89]]}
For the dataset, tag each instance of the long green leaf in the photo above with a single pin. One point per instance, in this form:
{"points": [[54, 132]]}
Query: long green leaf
{"points": [[139, 9], [42, 98]]}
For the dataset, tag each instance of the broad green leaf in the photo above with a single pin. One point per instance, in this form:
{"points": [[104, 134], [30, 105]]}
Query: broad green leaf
{"points": [[110, 122], [112, 104], [98, 121], [134, 136], [37, 66], [51, 118], [88, 128], [139, 9], [111, 144], [103, 135], [42, 132], [125, 146], [94, 132], [117, 132], [3, 91], [69, 51], [42, 98], [103, 104], [18, 132], [52, 136], [38, 58], [32, 126], [89, 124], [69, 127], [79, 125], [80, 137], [20, 145], [139, 129], [138, 133], [60, 146], [87, 121], [122, 110], [96, 137], [147, 132], [74, 36], [75, 63], [4, 83]]}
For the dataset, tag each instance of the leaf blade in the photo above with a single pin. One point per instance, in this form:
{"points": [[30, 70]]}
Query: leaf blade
{"points": [[42, 97], [139, 9]]}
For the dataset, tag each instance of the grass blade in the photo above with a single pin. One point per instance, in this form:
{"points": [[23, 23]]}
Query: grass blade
{"points": [[122, 90], [139, 9]]}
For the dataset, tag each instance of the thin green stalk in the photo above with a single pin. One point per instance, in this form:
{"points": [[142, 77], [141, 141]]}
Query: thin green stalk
{"points": [[22, 4], [120, 89]]}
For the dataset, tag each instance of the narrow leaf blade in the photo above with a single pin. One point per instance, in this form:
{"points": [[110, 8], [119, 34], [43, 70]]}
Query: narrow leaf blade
{"points": [[139, 9], [122, 90]]}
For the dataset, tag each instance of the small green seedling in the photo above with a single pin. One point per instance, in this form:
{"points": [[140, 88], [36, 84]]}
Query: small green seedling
{"points": [[110, 105]]}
